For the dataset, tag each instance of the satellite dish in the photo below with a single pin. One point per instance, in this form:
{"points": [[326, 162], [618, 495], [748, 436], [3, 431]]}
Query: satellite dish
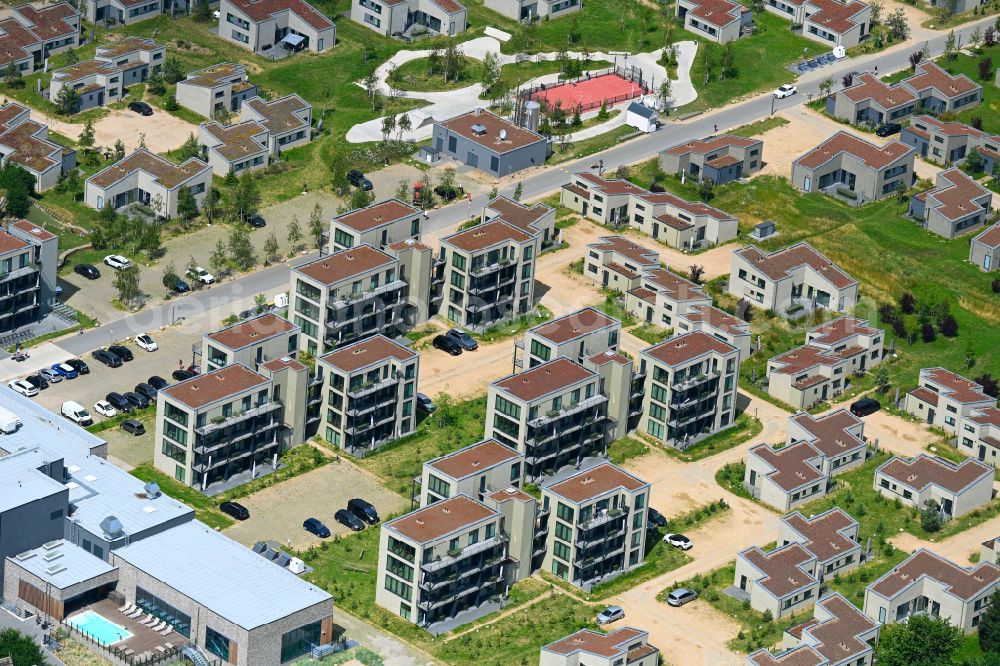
{"points": [[503, 135]]}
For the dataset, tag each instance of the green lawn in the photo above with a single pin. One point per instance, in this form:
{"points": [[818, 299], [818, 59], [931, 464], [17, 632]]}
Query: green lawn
{"points": [[610, 307], [852, 584], [516, 327], [758, 127], [416, 75], [989, 110], [626, 448], [651, 333], [744, 429], [205, 508]]}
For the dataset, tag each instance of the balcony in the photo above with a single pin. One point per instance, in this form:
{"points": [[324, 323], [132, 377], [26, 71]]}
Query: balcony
{"points": [[369, 425], [20, 272], [371, 387], [468, 551], [357, 409], [500, 301], [477, 289], [587, 403], [222, 461], [334, 324], [218, 424], [603, 519], [490, 268], [344, 301], [691, 382]]}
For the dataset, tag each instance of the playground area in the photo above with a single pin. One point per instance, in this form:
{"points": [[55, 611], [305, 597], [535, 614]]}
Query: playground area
{"points": [[588, 92]]}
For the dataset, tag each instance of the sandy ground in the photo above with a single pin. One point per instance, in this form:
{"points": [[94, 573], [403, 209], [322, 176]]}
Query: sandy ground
{"points": [[164, 132], [277, 512]]}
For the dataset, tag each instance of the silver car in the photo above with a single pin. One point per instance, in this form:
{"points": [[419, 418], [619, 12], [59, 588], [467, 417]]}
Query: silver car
{"points": [[681, 596], [50, 375], [611, 614]]}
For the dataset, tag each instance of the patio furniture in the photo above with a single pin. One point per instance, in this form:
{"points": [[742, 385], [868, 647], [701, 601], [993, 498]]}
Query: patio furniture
{"points": [[156, 626], [150, 621], [135, 614], [161, 649], [170, 645], [128, 652], [167, 631], [124, 609]]}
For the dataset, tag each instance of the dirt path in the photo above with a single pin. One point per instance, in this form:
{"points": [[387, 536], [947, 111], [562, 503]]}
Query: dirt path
{"points": [[163, 132]]}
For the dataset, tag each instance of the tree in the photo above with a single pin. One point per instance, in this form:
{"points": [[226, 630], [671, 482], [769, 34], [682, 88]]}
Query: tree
{"points": [[907, 303], [372, 90], [12, 75], [246, 198], [127, 284], [170, 103], [948, 327], [950, 46], [210, 205], [190, 148], [271, 249], [985, 68], [922, 641], [21, 648], [974, 162], [189, 269], [86, 139], [927, 332], [451, 62], [446, 182], [663, 95], [930, 516], [706, 188], [896, 23], [155, 84], [990, 387], [876, 8], [118, 152], [403, 190], [170, 276], [989, 37], [202, 11], [404, 125], [915, 59], [172, 70], [67, 101], [847, 80], [361, 198], [18, 185], [603, 114], [316, 226], [294, 237], [976, 37], [882, 379], [518, 191], [825, 87], [218, 261], [388, 127], [187, 206], [241, 251], [727, 65], [490, 74], [695, 273]]}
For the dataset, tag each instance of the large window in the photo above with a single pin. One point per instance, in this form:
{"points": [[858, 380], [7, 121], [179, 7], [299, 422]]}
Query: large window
{"points": [[540, 350], [507, 407], [438, 486], [216, 643], [399, 568], [398, 587], [297, 642], [152, 604]]}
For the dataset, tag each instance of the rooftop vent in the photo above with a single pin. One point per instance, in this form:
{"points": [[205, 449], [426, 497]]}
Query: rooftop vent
{"points": [[112, 527], [152, 490], [503, 135], [479, 129], [54, 569]]}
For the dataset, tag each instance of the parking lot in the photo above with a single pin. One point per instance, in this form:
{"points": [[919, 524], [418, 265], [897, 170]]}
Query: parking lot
{"points": [[277, 512]]}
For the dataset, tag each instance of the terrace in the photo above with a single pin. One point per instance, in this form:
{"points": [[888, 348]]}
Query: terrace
{"points": [[144, 644]]}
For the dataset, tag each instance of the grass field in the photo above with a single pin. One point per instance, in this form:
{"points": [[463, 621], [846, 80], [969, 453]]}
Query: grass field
{"points": [[744, 429], [205, 508]]}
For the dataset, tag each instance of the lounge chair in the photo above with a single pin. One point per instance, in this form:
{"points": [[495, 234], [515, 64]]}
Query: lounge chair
{"points": [[135, 614], [125, 608], [170, 645], [167, 631], [150, 621], [156, 626], [161, 649]]}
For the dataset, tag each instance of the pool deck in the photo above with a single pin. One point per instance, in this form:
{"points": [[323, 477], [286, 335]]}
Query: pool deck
{"points": [[143, 639]]}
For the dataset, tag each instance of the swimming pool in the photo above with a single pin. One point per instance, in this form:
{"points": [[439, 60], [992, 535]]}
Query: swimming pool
{"points": [[99, 628]]}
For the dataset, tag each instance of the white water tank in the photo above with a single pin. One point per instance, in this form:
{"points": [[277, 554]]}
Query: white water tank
{"points": [[296, 566], [532, 115]]}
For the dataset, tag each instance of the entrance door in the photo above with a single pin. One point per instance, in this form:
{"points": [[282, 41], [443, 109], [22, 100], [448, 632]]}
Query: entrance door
{"points": [[585, 204], [604, 279], [743, 582], [472, 159], [982, 452], [930, 416]]}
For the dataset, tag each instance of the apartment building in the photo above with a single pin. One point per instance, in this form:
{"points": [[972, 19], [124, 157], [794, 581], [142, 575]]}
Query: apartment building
{"points": [[528, 10], [690, 388], [489, 274], [779, 581], [107, 77], [381, 224], [957, 488], [371, 391], [475, 471], [26, 143], [949, 142], [979, 435], [944, 398], [236, 149], [441, 560], [938, 92], [954, 206], [576, 336], [928, 583], [822, 368], [29, 256], [83, 535], [854, 169], [625, 645], [250, 342], [831, 22], [126, 12], [720, 21], [869, 101], [664, 216], [31, 34], [537, 219], [599, 527], [837, 634], [147, 179], [720, 159], [410, 17], [214, 91], [275, 28], [816, 449], [288, 119], [791, 280], [831, 536], [984, 251], [487, 142], [616, 263]]}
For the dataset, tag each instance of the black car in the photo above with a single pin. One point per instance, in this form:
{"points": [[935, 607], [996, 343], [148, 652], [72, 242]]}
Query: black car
{"points": [[888, 129], [78, 365], [137, 399], [357, 179], [87, 271], [181, 375], [37, 381], [425, 404], [655, 519], [108, 358], [363, 510], [142, 388], [349, 520], [122, 352], [316, 526], [865, 406], [256, 221], [157, 382], [177, 285], [134, 427], [448, 344], [119, 402], [141, 108], [234, 509], [467, 342]]}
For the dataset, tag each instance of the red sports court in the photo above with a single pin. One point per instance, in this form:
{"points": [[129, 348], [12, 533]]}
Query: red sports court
{"points": [[589, 93]]}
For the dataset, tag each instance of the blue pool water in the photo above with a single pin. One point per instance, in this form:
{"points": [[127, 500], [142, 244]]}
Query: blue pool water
{"points": [[99, 628]]}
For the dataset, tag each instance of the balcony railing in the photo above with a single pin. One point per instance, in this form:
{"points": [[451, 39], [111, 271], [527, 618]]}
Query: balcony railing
{"points": [[587, 403], [344, 301], [468, 551], [597, 521], [369, 425], [358, 410], [691, 382], [236, 418], [490, 268], [365, 389], [204, 467]]}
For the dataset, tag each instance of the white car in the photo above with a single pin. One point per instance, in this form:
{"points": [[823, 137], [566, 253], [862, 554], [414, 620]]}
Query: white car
{"points": [[117, 261], [786, 90], [201, 275], [146, 342], [104, 408], [23, 387], [678, 541]]}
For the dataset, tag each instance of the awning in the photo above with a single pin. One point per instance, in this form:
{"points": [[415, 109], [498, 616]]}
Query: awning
{"points": [[292, 39]]}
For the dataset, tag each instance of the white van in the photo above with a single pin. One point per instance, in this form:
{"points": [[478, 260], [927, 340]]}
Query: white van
{"points": [[75, 412], [9, 421]]}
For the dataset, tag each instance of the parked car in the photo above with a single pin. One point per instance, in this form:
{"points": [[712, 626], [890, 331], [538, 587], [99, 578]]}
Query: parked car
{"points": [[467, 342], [87, 271], [75, 412], [424, 403], [176, 285], [78, 365], [108, 358], [888, 129], [194, 369], [357, 179], [681, 596], [119, 402], [157, 382], [201, 275], [23, 387], [50, 375], [65, 371], [117, 261], [611, 614], [146, 342], [235, 509], [316, 526], [141, 108], [105, 408], [181, 375], [447, 344], [349, 520], [137, 399], [655, 518], [133, 426], [144, 389], [786, 90], [256, 221], [122, 352], [363, 510], [678, 541], [37, 381], [865, 406]]}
